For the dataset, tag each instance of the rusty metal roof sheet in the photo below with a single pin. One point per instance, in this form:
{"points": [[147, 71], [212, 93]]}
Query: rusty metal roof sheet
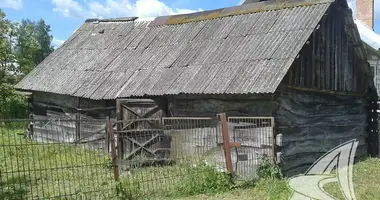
{"points": [[214, 52]]}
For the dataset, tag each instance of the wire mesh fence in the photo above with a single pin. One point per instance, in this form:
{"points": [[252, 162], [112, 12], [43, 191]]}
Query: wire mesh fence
{"points": [[157, 153], [47, 161], [165, 155], [256, 136], [88, 159]]}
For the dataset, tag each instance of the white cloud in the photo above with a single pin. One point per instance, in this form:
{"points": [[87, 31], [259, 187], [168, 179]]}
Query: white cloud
{"points": [[70, 8], [14, 4], [115, 8], [56, 42]]}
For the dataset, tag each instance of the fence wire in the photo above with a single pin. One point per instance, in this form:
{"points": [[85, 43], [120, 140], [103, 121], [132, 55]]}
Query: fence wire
{"points": [[73, 159], [48, 161]]}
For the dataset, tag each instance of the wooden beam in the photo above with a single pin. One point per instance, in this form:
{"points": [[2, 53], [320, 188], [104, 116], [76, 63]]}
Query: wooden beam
{"points": [[227, 143], [146, 115], [353, 94], [143, 146]]}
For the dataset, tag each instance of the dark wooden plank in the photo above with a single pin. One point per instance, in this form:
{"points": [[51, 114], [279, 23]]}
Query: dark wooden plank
{"points": [[142, 147]]}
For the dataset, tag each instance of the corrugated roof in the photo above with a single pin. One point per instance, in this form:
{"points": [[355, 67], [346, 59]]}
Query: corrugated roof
{"points": [[238, 54]]}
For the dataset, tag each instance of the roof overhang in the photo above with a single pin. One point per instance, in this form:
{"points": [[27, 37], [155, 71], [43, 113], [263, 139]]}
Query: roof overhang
{"points": [[372, 53]]}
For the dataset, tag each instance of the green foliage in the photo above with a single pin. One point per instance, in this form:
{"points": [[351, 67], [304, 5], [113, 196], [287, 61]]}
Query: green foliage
{"points": [[12, 105], [27, 47], [203, 179], [268, 169], [128, 191], [22, 47], [43, 37], [33, 44]]}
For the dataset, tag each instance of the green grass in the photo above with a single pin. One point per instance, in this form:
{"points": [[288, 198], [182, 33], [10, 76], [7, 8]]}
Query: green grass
{"points": [[34, 170], [48, 170], [366, 186]]}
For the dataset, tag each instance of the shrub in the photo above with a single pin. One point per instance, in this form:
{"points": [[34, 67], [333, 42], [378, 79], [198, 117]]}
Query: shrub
{"points": [[267, 169], [12, 105], [127, 191], [203, 179]]}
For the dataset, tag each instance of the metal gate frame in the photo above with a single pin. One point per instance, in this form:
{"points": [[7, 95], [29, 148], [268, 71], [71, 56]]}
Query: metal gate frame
{"points": [[228, 145]]}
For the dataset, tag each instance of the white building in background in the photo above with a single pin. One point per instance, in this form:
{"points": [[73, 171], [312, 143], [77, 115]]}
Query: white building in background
{"points": [[365, 23]]}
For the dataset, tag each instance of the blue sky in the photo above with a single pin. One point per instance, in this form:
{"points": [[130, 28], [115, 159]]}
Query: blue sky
{"points": [[65, 16]]}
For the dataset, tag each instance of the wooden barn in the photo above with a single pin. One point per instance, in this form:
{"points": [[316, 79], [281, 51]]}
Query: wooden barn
{"points": [[301, 62]]}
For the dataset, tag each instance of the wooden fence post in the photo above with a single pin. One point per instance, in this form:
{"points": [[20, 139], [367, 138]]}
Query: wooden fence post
{"points": [[113, 151], [227, 143], [274, 142], [119, 128]]}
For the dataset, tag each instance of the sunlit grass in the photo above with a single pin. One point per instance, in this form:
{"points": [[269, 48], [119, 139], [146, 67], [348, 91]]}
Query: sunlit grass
{"points": [[35, 170]]}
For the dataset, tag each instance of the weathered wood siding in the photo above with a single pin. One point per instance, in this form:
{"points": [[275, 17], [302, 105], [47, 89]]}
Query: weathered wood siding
{"points": [[332, 59], [313, 124], [66, 119], [41, 102], [235, 106]]}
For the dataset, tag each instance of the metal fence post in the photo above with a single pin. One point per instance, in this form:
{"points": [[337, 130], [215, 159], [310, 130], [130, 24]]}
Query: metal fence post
{"points": [[226, 142], [113, 152]]}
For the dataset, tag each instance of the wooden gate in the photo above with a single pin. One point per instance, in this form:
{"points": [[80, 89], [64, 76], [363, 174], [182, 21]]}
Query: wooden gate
{"points": [[141, 138]]}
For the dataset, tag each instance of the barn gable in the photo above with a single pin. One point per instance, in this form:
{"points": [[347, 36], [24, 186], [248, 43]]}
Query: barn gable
{"points": [[334, 57]]}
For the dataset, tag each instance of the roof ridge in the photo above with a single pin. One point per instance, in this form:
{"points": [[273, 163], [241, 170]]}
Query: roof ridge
{"points": [[121, 19], [247, 8]]}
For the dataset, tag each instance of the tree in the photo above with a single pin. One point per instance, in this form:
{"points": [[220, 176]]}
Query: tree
{"points": [[27, 47], [12, 105], [7, 58], [22, 47], [33, 44], [44, 39]]}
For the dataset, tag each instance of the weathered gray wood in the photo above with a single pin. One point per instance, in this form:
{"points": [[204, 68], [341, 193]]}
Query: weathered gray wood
{"points": [[211, 107], [339, 57]]}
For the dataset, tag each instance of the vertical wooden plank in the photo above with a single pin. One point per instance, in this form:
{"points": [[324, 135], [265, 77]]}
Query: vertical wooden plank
{"points": [[107, 136], [324, 53], [336, 83], [328, 52], [77, 122], [319, 58], [302, 71], [339, 51], [113, 151], [274, 140], [313, 65], [226, 142], [119, 127]]}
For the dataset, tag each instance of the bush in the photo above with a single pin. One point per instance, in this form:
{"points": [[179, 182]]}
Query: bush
{"points": [[203, 179], [12, 105], [127, 191], [267, 169]]}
